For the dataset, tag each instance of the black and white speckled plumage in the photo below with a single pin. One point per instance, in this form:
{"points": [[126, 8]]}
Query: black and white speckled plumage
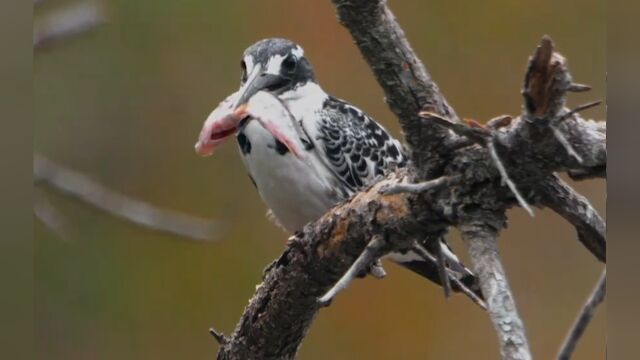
{"points": [[356, 147]]}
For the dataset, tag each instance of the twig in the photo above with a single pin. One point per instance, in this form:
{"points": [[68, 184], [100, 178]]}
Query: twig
{"points": [[450, 276], [478, 135], [481, 242], [565, 143], [362, 263], [584, 318], [136, 211], [578, 109], [419, 187], [506, 179], [220, 338], [67, 23], [442, 269]]}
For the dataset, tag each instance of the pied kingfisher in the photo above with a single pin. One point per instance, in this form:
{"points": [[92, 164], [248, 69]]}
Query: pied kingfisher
{"points": [[305, 150]]}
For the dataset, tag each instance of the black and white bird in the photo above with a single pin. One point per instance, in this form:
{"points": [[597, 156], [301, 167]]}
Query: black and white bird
{"points": [[305, 150]]}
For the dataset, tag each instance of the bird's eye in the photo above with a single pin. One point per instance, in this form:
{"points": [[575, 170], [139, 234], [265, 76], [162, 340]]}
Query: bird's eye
{"points": [[243, 66], [289, 63]]}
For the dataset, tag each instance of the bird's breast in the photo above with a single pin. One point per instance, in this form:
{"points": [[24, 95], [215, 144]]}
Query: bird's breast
{"points": [[295, 188]]}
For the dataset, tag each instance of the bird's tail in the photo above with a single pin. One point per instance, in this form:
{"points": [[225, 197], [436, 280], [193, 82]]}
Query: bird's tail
{"points": [[425, 263]]}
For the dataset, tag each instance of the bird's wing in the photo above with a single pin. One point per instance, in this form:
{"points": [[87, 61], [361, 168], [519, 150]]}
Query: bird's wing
{"points": [[352, 145]]}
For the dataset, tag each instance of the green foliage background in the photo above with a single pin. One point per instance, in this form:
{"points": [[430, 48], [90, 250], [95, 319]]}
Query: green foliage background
{"points": [[125, 104]]}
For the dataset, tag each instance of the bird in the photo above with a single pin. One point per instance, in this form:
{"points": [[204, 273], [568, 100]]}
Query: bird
{"points": [[306, 151]]}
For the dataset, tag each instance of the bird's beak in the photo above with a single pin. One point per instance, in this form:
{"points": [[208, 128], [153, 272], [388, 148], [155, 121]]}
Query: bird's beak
{"points": [[257, 81]]}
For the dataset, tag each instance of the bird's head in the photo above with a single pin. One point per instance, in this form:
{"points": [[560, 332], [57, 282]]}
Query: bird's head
{"points": [[271, 66]]}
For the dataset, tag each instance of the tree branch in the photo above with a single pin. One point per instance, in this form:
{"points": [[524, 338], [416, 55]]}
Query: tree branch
{"points": [[67, 23], [481, 242], [407, 85], [284, 305], [583, 320], [77, 185], [578, 211]]}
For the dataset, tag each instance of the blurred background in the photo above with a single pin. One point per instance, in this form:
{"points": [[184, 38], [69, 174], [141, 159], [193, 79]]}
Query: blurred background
{"points": [[124, 103]]}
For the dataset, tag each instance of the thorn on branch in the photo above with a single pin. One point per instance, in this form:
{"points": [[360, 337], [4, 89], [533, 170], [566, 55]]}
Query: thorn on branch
{"points": [[361, 265], [578, 109], [220, 338], [391, 189], [506, 179], [583, 320], [574, 87]]}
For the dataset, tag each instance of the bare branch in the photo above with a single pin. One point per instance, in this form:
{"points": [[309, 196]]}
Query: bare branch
{"points": [[442, 270], [451, 277], [578, 109], [506, 179], [584, 318], [550, 137], [576, 209], [567, 145], [68, 23], [481, 241], [419, 187], [284, 305], [138, 212], [360, 266], [407, 85]]}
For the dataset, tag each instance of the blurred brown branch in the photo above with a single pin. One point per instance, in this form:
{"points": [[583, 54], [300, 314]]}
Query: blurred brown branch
{"points": [[60, 25], [523, 152], [80, 186], [67, 23], [583, 320]]}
